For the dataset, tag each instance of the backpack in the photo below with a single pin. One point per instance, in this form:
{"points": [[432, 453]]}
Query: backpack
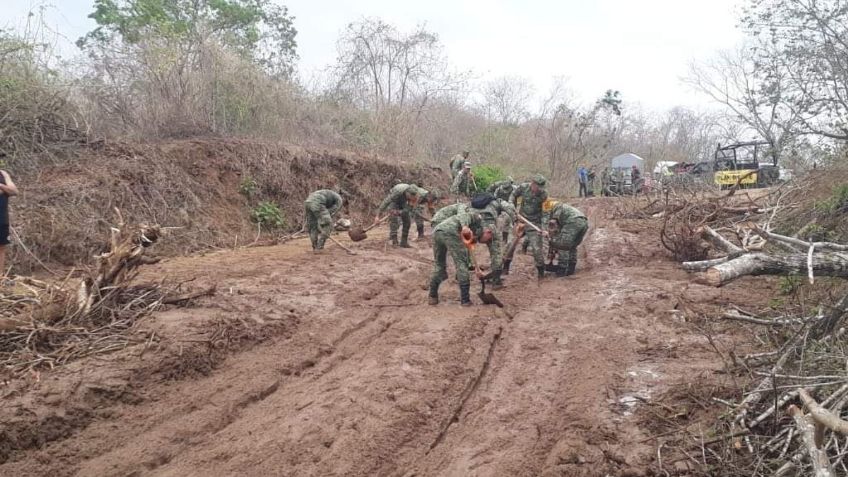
{"points": [[481, 200]]}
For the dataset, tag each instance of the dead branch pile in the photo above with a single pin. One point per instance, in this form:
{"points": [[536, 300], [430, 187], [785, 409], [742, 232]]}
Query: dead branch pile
{"points": [[45, 325], [791, 420]]}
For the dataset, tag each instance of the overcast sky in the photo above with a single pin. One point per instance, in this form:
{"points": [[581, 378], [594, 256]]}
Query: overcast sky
{"points": [[640, 47]]}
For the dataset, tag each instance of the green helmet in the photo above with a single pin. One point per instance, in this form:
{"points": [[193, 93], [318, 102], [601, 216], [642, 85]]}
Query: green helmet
{"points": [[540, 180]]}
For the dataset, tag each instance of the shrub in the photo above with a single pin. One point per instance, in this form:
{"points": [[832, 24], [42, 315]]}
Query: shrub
{"points": [[248, 187], [488, 175], [268, 214]]}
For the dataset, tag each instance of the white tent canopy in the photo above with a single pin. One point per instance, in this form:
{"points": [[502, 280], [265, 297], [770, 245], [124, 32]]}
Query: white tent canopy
{"points": [[628, 160]]}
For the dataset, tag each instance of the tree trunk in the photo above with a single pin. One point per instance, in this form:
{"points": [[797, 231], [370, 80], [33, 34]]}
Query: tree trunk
{"points": [[830, 264]]}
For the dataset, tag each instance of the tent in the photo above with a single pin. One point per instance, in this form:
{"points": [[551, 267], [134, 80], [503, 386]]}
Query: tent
{"points": [[628, 160]]}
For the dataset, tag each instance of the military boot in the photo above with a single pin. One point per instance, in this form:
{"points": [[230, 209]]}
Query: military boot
{"points": [[404, 240], [433, 298], [506, 264], [496, 281], [420, 232], [561, 270], [541, 272], [465, 294], [572, 266], [394, 241]]}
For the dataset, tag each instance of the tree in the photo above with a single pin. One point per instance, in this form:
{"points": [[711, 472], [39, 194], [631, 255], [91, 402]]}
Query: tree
{"points": [[507, 99], [809, 40], [257, 29], [756, 89], [178, 67]]}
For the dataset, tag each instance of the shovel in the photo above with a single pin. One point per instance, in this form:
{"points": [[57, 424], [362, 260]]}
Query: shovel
{"points": [[486, 298], [357, 234]]}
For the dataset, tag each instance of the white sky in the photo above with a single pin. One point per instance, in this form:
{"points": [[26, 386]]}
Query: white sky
{"points": [[640, 47]]}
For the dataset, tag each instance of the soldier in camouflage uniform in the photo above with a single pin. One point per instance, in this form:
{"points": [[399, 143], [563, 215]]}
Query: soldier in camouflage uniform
{"points": [[400, 203], [490, 215], [567, 227], [528, 199], [502, 190], [463, 183], [320, 206], [456, 163], [428, 199], [447, 212], [448, 239]]}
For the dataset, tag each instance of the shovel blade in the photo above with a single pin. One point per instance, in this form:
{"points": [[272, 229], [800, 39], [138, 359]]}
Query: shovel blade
{"points": [[356, 234], [489, 299]]}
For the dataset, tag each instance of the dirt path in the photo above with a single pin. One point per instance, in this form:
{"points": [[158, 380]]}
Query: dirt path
{"points": [[345, 370]]}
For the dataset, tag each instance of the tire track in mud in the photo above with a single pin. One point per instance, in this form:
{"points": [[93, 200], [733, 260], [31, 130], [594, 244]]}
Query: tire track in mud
{"points": [[469, 390]]}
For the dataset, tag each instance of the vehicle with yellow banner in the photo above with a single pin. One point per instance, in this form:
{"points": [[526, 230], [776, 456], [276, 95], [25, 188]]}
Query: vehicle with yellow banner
{"points": [[750, 164]]}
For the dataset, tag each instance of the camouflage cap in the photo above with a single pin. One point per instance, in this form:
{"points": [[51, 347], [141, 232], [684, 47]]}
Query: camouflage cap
{"points": [[510, 179], [466, 164], [412, 190], [540, 179]]}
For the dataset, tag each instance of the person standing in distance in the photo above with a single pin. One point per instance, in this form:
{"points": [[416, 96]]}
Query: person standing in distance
{"points": [[7, 189]]}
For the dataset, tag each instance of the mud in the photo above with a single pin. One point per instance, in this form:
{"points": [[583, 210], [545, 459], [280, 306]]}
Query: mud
{"points": [[333, 364]]}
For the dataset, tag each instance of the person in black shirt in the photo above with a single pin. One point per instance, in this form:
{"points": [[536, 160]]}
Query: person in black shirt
{"points": [[7, 189]]}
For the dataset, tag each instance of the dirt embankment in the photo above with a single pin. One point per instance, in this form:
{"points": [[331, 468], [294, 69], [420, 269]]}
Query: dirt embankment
{"points": [[64, 211]]}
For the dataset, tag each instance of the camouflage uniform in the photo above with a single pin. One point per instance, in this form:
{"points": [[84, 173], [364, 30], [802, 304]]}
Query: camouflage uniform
{"points": [[502, 190], [456, 163], [572, 228], [463, 184], [425, 198], [320, 206], [530, 207], [401, 209], [490, 214], [447, 239], [447, 212]]}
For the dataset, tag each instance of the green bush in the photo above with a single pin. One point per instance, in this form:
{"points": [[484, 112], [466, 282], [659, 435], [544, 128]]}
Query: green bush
{"points": [[268, 214], [248, 187], [487, 175]]}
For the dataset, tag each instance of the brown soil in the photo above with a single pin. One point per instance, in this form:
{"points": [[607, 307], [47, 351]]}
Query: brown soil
{"points": [[333, 364], [194, 185]]}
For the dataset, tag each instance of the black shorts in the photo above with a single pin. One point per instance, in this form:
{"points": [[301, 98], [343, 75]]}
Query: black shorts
{"points": [[4, 234]]}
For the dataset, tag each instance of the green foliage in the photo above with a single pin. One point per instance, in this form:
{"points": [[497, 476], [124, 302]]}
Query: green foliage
{"points": [[268, 214], [487, 175], [248, 187], [257, 29], [789, 284], [836, 203]]}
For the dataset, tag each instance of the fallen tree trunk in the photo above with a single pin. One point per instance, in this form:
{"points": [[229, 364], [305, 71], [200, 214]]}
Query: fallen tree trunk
{"points": [[829, 264], [812, 438], [822, 415]]}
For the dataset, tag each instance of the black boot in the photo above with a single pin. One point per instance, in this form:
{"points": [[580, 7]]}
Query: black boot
{"points": [[404, 243], [497, 283], [561, 270], [433, 298], [506, 264], [572, 266], [541, 272], [420, 232], [465, 295], [394, 241]]}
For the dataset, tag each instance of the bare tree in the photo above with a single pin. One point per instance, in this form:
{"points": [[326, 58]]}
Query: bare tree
{"points": [[754, 88], [507, 99]]}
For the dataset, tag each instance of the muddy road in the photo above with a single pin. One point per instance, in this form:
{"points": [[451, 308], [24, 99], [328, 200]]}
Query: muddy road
{"points": [[334, 365]]}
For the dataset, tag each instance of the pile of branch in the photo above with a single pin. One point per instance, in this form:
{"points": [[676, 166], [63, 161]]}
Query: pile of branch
{"points": [[791, 421], [44, 325]]}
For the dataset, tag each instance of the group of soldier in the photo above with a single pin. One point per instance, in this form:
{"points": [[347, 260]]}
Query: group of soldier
{"points": [[504, 213]]}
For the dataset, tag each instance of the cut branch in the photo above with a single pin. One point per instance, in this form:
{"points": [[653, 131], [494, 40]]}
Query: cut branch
{"points": [[812, 441]]}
